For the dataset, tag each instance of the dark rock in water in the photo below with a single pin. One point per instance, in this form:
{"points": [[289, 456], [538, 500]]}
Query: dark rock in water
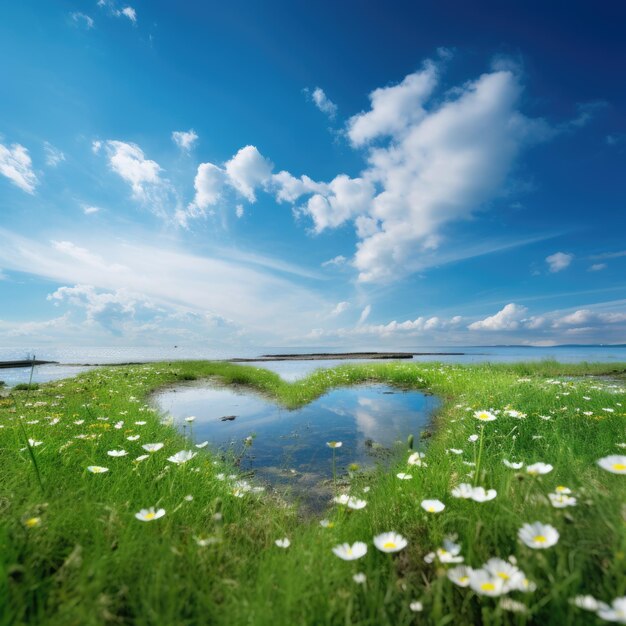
{"points": [[388, 393], [228, 418]]}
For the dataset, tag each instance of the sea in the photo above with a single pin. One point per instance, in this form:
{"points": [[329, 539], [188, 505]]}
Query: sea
{"points": [[74, 360]]}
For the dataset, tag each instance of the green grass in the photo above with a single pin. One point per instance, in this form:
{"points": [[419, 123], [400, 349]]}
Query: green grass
{"points": [[89, 561]]}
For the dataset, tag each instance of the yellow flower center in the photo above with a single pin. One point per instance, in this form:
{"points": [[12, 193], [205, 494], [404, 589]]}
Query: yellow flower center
{"points": [[150, 515], [488, 587], [503, 575], [619, 467], [539, 539], [561, 488], [389, 544], [31, 522], [431, 509], [463, 579]]}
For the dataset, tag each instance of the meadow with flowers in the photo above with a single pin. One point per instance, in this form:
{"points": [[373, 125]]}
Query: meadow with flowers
{"points": [[512, 512]]}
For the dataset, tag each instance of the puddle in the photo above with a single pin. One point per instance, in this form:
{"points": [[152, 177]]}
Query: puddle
{"points": [[289, 447]]}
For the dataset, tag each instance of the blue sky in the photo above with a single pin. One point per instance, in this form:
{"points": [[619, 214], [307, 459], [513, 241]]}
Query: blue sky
{"points": [[351, 174]]}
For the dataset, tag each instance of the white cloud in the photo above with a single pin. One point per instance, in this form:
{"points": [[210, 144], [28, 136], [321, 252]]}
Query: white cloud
{"points": [[509, 318], [143, 175], [420, 326], [365, 313], [129, 161], [336, 261], [90, 210], [81, 19], [16, 165], [247, 171], [112, 5], [609, 255], [587, 317], [597, 267], [108, 309], [239, 211], [345, 198], [130, 13], [558, 261], [394, 109], [208, 183], [340, 308], [85, 257], [288, 188], [54, 156], [430, 162], [185, 139], [323, 102]]}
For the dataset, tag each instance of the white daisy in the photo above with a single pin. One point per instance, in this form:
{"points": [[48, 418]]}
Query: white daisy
{"points": [[486, 584], [484, 416], [390, 542], [349, 552], [538, 536], [539, 468], [616, 612], [460, 575], [149, 515], [561, 500], [433, 506], [182, 457], [480, 495], [464, 490], [616, 464]]}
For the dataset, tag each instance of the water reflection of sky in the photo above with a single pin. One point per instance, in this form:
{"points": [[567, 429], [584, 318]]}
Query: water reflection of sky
{"points": [[285, 440]]}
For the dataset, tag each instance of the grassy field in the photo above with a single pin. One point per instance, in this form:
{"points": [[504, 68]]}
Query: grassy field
{"points": [[73, 551]]}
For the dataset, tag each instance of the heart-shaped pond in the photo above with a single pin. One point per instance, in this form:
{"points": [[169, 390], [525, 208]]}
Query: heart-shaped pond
{"points": [[289, 447]]}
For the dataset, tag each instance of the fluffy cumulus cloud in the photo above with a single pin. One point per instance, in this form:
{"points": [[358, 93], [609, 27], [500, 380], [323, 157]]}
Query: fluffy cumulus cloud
{"points": [[109, 309], [247, 171], [600, 322], [185, 139], [559, 261], [509, 318], [16, 165], [323, 102], [396, 109], [208, 185], [244, 174], [431, 160], [439, 328]]}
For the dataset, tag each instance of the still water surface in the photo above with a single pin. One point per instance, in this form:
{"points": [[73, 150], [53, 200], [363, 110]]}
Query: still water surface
{"points": [[289, 446]]}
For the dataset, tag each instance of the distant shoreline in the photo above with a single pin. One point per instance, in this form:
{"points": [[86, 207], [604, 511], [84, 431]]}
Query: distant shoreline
{"points": [[313, 356]]}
